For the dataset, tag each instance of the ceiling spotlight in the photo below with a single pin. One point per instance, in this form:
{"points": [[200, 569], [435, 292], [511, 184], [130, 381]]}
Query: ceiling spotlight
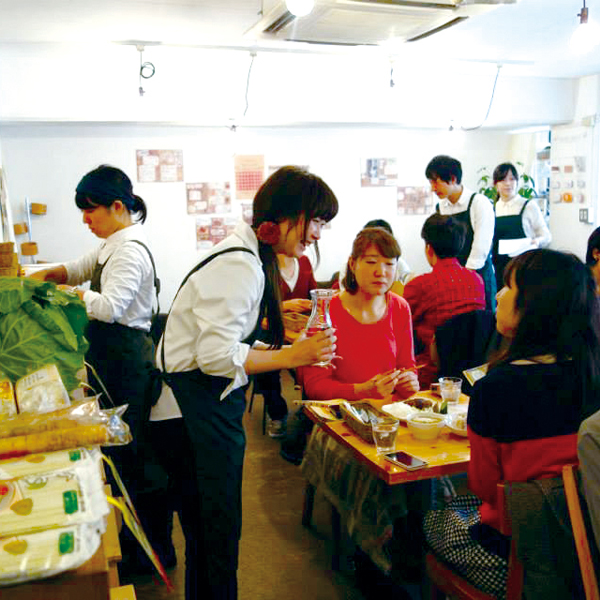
{"points": [[300, 8], [587, 34]]}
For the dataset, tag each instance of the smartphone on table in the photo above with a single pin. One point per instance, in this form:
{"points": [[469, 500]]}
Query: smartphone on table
{"points": [[406, 461]]}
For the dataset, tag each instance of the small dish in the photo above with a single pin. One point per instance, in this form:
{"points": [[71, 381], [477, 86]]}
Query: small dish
{"points": [[457, 423], [426, 426]]}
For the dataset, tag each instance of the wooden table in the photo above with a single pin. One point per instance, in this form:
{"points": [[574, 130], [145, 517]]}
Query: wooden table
{"points": [[328, 465], [447, 455]]}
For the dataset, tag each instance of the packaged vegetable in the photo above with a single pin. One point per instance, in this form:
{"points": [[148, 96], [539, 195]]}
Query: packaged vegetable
{"points": [[81, 424], [41, 391], [8, 406]]}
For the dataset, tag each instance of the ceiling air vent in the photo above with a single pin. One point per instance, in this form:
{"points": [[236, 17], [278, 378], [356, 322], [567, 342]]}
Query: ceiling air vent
{"points": [[365, 22]]}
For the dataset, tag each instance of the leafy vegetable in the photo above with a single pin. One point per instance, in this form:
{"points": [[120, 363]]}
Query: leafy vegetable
{"points": [[40, 325]]}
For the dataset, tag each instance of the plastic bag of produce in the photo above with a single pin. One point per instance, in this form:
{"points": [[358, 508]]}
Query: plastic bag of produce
{"points": [[41, 325]]}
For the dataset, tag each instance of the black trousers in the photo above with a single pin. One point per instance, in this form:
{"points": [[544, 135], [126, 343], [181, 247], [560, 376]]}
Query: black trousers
{"points": [[203, 454]]}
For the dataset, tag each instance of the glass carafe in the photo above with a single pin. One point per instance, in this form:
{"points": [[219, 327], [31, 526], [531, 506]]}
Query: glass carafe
{"points": [[319, 317]]}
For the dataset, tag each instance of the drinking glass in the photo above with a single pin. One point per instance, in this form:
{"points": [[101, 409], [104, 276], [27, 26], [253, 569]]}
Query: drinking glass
{"points": [[384, 434], [450, 388]]}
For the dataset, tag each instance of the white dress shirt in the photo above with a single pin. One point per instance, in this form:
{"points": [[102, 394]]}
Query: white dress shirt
{"points": [[213, 312], [483, 222], [127, 280], [534, 224]]}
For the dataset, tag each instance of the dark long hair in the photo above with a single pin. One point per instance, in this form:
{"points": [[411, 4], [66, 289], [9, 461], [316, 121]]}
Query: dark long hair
{"points": [[288, 194], [104, 185], [559, 314]]}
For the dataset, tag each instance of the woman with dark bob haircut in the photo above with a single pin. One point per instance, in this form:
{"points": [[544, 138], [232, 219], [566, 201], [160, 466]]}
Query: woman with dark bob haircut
{"points": [[381, 364], [207, 353], [525, 413]]}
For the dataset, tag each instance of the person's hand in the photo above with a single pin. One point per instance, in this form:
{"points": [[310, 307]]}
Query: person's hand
{"points": [[408, 383], [319, 347], [71, 290], [379, 386], [39, 275], [298, 305]]}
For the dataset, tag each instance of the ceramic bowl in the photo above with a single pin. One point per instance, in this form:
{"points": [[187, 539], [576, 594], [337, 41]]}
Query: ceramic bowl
{"points": [[426, 426]]}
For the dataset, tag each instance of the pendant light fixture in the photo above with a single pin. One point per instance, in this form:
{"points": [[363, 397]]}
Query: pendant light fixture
{"points": [[587, 34], [300, 8]]}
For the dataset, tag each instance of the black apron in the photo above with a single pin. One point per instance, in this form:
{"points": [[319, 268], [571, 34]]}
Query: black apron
{"points": [[487, 271], [509, 227], [217, 441], [123, 358]]}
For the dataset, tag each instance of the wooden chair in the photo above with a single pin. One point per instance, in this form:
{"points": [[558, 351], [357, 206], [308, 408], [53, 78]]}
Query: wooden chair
{"points": [[445, 581], [586, 565]]}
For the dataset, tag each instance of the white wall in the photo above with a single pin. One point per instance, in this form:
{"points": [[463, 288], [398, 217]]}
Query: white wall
{"points": [[568, 233], [45, 163]]}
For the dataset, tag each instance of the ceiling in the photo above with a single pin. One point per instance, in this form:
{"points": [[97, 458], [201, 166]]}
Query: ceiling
{"points": [[527, 37]]}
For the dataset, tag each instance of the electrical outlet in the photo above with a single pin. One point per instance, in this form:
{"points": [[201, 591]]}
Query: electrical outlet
{"points": [[583, 215]]}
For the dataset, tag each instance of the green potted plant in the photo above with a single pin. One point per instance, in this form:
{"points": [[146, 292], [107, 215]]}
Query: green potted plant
{"points": [[486, 184]]}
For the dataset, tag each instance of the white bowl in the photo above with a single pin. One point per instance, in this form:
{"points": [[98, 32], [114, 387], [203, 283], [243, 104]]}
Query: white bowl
{"points": [[426, 426]]}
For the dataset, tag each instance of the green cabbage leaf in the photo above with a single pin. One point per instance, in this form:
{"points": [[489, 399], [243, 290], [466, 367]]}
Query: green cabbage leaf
{"points": [[40, 325]]}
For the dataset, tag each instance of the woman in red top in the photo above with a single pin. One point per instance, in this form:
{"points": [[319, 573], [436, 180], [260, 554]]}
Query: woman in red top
{"points": [[375, 356]]}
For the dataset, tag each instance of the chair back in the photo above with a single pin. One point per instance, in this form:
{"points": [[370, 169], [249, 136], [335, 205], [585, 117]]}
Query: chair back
{"points": [[463, 342], [584, 554]]}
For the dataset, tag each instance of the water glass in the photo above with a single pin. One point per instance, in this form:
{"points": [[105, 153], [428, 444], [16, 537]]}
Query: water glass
{"points": [[450, 388], [384, 434]]}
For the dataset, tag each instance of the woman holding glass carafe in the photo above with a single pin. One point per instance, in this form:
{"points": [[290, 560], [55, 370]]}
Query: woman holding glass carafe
{"points": [[375, 356]]}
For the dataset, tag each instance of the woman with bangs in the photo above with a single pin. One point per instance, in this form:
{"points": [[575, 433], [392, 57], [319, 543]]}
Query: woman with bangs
{"points": [[206, 354], [375, 356], [525, 413]]}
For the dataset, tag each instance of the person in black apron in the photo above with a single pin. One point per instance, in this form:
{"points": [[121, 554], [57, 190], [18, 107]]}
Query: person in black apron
{"points": [[119, 305], [526, 222], [206, 356], [509, 227], [445, 175]]}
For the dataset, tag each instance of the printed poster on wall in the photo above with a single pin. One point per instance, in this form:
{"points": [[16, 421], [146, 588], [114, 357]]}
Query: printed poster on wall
{"points": [[155, 166], [249, 175], [212, 230], [208, 198], [570, 158], [414, 200], [375, 172]]}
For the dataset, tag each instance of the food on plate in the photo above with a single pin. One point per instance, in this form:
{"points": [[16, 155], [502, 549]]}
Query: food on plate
{"points": [[405, 408], [400, 410]]}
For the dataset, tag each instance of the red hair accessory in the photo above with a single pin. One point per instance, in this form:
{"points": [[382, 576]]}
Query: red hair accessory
{"points": [[268, 233]]}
